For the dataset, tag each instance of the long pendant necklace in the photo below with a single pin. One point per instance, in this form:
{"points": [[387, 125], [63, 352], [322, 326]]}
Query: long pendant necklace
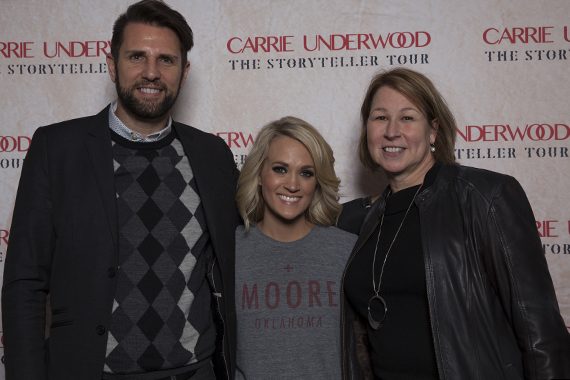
{"points": [[378, 324]]}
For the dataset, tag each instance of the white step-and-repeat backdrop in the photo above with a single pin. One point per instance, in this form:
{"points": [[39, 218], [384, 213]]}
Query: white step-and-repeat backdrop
{"points": [[503, 66]]}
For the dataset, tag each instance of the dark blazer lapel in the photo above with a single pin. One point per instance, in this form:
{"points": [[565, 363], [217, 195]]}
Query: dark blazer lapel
{"points": [[101, 155]]}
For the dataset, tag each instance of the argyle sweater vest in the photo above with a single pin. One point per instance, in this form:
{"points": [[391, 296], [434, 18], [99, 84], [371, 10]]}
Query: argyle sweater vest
{"points": [[161, 318]]}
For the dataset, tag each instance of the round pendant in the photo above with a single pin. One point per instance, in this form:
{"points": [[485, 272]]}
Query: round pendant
{"points": [[376, 324]]}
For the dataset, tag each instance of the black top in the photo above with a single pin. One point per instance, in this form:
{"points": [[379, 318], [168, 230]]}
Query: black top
{"points": [[403, 348]]}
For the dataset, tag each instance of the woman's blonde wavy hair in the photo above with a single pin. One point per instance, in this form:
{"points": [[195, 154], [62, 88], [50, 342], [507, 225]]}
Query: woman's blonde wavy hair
{"points": [[324, 207]]}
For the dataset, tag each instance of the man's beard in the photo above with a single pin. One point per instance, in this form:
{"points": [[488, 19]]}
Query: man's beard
{"points": [[146, 108]]}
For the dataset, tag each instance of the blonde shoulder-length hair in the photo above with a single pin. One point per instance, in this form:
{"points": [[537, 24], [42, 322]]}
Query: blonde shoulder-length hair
{"points": [[324, 207]]}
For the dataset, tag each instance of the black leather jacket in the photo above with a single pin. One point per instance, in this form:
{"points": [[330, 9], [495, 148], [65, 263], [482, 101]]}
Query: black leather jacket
{"points": [[493, 309]]}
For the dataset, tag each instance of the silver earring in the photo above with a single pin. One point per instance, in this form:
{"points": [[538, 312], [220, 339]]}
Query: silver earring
{"points": [[432, 148]]}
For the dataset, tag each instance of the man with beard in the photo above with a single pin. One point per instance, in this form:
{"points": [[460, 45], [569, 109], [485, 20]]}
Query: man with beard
{"points": [[126, 219]]}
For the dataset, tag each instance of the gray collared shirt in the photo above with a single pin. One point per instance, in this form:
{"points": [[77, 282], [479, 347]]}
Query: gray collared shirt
{"points": [[122, 130]]}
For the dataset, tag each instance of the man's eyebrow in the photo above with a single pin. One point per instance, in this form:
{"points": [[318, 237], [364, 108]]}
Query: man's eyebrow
{"points": [[135, 52], [173, 57]]}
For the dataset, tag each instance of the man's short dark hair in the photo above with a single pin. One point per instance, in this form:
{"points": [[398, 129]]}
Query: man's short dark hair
{"points": [[155, 13]]}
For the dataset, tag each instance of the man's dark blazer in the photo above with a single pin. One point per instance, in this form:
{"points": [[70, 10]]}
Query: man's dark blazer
{"points": [[64, 242]]}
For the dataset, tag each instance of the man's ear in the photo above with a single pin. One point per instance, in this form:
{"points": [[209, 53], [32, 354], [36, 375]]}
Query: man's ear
{"points": [[111, 67], [185, 70]]}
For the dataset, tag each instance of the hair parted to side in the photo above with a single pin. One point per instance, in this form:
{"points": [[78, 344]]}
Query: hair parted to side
{"points": [[155, 13], [324, 207], [423, 94]]}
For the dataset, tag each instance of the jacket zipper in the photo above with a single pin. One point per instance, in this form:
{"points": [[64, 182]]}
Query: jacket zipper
{"points": [[432, 332], [342, 300], [429, 312], [218, 296]]}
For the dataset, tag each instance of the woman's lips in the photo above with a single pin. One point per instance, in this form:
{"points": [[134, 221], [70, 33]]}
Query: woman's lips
{"points": [[392, 149], [288, 198]]}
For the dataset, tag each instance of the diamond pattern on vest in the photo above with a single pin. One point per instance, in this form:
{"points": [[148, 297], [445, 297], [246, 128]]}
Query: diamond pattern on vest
{"points": [[162, 233]]}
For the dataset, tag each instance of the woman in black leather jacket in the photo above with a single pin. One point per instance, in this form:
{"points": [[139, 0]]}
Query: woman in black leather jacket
{"points": [[448, 274]]}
